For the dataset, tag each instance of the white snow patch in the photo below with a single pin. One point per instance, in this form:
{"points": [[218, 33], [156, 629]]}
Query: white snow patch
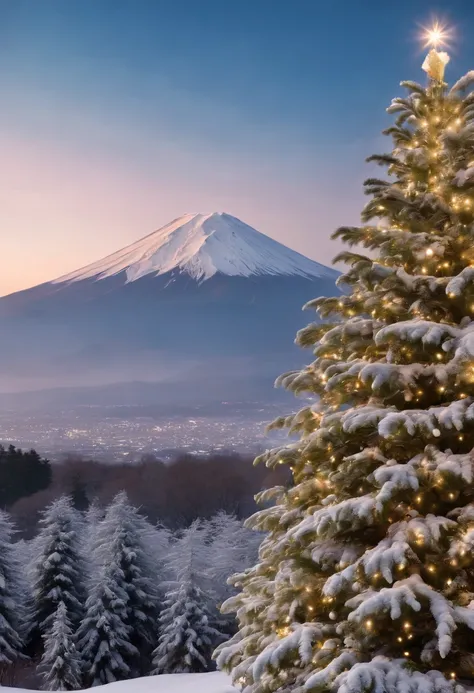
{"points": [[215, 682], [202, 245], [463, 176]]}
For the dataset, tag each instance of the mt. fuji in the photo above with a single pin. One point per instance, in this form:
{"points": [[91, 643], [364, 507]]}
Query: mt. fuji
{"points": [[202, 245], [206, 306]]}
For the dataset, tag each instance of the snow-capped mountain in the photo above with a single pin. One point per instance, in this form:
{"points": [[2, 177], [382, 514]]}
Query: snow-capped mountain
{"points": [[202, 245], [207, 306]]}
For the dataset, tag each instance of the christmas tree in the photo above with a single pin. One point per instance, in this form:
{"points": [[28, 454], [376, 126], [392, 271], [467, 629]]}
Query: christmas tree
{"points": [[365, 580]]}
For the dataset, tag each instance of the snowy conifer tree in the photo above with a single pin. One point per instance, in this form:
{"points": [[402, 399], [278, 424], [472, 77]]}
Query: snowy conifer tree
{"points": [[93, 517], [24, 552], [126, 534], [187, 636], [59, 570], [60, 664], [232, 548], [104, 636], [121, 541], [365, 580], [11, 597], [157, 543]]}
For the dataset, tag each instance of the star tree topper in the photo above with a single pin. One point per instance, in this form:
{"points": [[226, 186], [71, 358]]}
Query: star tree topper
{"points": [[436, 61]]}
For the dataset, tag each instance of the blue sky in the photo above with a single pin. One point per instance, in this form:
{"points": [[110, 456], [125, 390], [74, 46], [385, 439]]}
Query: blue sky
{"points": [[118, 115]]}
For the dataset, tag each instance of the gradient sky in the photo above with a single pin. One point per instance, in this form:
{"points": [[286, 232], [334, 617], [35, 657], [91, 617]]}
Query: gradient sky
{"points": [[117, 116]]}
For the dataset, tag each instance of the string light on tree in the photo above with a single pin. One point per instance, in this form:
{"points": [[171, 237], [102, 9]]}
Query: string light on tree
{"points": [[389, 540]]}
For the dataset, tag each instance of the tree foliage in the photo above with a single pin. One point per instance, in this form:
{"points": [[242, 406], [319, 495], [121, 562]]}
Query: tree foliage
{"points": [[104, 636], [187, 632], [366, 578], [145, 585], [60, 664], [21, 474], [12, 608], [59, 569], [122, 539]]}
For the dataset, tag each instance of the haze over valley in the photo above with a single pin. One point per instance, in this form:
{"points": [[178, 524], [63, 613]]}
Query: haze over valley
{"points": [[154, 346]]}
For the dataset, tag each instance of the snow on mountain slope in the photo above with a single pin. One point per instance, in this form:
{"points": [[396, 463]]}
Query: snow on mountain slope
{"points": [[202, 245], [215, 682]]}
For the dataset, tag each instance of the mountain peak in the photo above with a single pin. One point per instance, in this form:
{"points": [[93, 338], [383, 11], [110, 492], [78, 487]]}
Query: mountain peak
{"points": [[202, 245]]}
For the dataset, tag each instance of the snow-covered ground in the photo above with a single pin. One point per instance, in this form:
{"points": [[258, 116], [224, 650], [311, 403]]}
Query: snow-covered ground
{"points": [[172, 683], [216, 682]]}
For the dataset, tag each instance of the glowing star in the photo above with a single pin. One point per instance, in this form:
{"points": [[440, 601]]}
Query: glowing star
{"points": [[436, 36], [436, 61]]}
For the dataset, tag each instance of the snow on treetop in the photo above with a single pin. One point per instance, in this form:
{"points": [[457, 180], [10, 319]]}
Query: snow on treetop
{"points": [[202, 245]]}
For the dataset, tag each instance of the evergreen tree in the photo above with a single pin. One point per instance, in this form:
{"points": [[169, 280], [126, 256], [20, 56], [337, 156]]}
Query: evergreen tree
{"points": [[59, 571], [23, 551], [92, 519], [187, 636], [104, 636], [11, 597], [157, 542], [121, 543], [365, 580], [60, 664], [21, 474], [126, 534], [232, 548], [93, 516]]}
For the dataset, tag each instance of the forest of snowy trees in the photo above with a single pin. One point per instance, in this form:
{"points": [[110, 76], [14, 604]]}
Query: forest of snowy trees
{"points": [[105, 595]]}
